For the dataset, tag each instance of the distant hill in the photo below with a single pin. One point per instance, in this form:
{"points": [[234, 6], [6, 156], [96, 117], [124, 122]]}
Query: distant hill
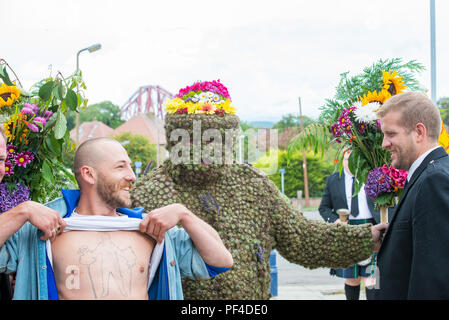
{"points": [[261, 124]]}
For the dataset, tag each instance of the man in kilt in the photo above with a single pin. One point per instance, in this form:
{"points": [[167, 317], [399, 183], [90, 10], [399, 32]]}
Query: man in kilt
{"points": [[338, 195]]}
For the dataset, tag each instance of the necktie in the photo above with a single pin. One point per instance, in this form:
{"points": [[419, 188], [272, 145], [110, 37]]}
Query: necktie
{"points": [[354, 202]]}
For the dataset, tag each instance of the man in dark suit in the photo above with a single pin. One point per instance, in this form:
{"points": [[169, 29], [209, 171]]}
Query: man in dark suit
{"points": [[338, 195], [413, 260]]}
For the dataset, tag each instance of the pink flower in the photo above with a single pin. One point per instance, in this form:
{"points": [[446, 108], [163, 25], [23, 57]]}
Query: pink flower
{"points": [[33, 127], [43, 121], [23, 159], [9, 168], [26, 110], [48, 114], [11, 151]]}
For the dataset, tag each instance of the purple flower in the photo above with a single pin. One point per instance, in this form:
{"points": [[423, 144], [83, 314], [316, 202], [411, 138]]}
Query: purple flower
{"points": [[362, 127], [43, 121], [377, 183], [48, 114], [33, 107], [11, 151], [344, 121], [9, 168], [24, 158], [26, 110], [32, 127], [335, 129], [9, 201]]}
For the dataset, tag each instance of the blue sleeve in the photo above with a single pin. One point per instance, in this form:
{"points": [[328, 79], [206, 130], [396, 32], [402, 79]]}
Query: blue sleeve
{"points": [[213, 271]]}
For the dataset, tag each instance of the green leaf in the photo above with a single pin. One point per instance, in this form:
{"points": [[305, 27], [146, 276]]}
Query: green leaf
{"points": [[47, 174], [71, 99], [4, 75], [60, 125], [45, 90]]}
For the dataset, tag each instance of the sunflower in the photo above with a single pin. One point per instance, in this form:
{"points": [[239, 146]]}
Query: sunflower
{"points": [[375, 96], [8, 95], [393, 83]]}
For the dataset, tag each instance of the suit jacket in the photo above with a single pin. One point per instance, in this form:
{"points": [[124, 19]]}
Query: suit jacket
{"points": [[334, 198], [413, 260]]}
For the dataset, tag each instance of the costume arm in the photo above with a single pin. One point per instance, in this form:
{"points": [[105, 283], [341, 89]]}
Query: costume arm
{"points": [[315, 244], [430, 224], [326, 207]]}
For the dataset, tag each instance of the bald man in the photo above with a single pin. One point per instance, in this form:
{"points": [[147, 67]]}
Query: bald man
{"points": [[92, 263]]}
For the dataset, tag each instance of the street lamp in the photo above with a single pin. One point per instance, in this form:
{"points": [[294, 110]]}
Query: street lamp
{"points": [[92, 48]]}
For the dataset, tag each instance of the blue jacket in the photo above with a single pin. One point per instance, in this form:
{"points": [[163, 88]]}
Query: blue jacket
{"points": [[25, 254]]}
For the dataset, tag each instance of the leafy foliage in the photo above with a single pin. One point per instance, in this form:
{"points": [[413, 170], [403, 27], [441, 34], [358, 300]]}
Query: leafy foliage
{"points": [[139, 147], [317, 171], [36, 128]]}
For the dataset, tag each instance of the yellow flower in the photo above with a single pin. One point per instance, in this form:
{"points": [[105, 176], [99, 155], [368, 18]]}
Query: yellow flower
{"points": [[8, 95], [374, 96], [174, 104], [226, 106], [393, 83], [193, 107]]}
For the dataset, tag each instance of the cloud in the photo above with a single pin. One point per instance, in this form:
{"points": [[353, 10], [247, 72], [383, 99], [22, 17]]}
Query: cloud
{"points": [[267, 53]]}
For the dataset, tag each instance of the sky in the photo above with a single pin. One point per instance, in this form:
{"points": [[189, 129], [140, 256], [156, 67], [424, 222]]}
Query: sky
{"points": [[267, 53]]}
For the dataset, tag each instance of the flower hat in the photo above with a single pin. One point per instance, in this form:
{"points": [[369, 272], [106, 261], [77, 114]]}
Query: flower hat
{"points": [[206, 97]]}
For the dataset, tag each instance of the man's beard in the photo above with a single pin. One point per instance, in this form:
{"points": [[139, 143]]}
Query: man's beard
{"points": [[404, 158], [109, 192]]}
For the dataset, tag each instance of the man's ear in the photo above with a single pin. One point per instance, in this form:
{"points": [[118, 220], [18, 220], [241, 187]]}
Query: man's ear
{"points": [[88, 175], [421, 132]]}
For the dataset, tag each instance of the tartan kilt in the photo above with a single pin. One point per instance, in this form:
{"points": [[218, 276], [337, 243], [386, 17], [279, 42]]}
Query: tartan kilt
{"points": [[356, 270]]}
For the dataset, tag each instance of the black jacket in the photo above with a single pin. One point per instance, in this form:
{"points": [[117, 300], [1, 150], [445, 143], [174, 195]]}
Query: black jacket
{"points": [[413, 260], [334, 198]]}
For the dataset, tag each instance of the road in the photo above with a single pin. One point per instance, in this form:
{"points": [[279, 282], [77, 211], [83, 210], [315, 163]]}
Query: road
{"points": [[298, 283]]}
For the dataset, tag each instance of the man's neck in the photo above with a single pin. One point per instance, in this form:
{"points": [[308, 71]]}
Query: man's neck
{"points": [[90, 207]]}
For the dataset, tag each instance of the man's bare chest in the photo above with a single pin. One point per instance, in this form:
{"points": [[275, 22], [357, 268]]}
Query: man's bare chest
{"points": [[101, 265]]}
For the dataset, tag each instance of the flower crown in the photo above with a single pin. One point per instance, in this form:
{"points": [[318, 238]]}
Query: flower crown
{"points": [[208, 97]]}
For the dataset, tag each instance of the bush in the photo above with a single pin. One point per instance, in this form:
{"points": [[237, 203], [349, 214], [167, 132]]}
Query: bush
{"points": [[317, 171]]}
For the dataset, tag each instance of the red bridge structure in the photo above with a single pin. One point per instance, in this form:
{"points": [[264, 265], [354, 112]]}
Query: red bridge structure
{"points": [[147, 99]]}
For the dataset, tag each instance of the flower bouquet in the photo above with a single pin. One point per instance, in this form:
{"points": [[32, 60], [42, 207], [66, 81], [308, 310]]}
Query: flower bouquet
{"points": [[383, 184], [350, 120], [37, 137]]}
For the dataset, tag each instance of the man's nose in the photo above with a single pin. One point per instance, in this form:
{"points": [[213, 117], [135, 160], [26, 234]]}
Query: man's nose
{"points": [[385, 143]]}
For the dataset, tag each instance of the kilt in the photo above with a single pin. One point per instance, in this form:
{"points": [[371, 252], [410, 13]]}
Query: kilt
{"points": [[356, 270]]}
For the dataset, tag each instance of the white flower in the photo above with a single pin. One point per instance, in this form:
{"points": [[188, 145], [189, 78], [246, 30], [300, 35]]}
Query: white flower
{"points": [[367, 113]]}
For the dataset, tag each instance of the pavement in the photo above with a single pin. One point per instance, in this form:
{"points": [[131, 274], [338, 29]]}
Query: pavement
{"points": [[298, 283]]}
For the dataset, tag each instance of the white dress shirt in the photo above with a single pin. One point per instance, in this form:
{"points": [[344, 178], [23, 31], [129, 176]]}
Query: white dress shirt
{"points": [[364, 211], [418, 162]]}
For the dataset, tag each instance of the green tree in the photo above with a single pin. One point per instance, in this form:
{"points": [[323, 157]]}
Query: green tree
{"points": [[317, 171], [443, 105], [139, 148], [291, 121], [105, 112]]}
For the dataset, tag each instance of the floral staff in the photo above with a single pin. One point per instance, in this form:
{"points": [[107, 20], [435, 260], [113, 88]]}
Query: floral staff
{"points": [[351, 119], [37, 137]]}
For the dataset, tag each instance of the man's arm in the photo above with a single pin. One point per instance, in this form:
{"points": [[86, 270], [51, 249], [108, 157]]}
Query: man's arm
{"points": [[204, 237], [430, 225], [40, 216]]}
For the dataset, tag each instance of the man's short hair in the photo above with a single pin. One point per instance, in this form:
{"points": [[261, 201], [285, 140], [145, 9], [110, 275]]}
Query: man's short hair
{"points": [[414, 108], [87, 154]]}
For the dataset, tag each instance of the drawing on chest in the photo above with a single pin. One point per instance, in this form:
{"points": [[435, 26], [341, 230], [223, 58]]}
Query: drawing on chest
{"points": [[109, 263]]}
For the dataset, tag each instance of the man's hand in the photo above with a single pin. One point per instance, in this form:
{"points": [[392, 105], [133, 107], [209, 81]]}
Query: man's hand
{"points": [[45, 219], [378, 231], [159, 221], [40, 216]]}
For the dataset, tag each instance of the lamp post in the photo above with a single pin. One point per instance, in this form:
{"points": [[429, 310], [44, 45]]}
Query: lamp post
{"points": [[433, 68], [92, 48]]}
